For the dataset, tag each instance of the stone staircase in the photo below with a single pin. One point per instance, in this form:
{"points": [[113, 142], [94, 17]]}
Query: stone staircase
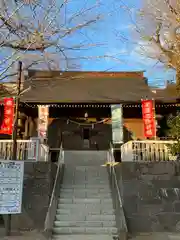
{"points": [[85, 208]]}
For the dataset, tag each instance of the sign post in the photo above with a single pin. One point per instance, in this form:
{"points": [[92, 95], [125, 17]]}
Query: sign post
{"points": [[14, 134], [11, 185]]}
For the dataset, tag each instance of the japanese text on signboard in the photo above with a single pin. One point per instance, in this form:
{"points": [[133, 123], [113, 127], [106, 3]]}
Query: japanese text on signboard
{"points": [[148, 118], [11, 185], [43, 112], [7, 125]]}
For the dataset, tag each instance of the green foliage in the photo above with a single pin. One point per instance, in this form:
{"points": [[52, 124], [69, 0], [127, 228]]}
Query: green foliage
{"points": [[174, 132]]}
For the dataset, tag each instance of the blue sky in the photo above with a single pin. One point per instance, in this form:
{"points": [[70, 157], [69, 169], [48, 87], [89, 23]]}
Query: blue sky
{"points": [[121, 55], [127, 57]]}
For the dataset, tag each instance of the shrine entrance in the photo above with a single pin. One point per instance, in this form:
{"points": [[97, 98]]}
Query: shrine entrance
{"points": [[82, 126]]}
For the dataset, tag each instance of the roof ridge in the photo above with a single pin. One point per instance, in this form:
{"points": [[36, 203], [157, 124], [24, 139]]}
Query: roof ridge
{"points": [[46, 74]]}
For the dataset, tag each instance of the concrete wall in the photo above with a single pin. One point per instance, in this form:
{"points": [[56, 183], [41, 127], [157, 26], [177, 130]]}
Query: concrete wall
{"points": [[151, 195], [38, 183]]}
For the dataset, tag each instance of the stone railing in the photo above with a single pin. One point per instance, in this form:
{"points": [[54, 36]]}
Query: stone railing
{"points": [[50, 217], [27, 150], [147, 150], [117, 196]]}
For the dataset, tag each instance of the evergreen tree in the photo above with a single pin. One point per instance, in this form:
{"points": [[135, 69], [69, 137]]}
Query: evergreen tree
{"points": [[174, 132]]}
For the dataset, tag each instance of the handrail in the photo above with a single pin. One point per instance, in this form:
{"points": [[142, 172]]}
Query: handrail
{"points": [[54, 198], [60, 158], [111, 160], [114, 173]]}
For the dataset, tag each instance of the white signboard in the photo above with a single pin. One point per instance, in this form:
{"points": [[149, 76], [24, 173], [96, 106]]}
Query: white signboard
{"points": [[43, 114], [117, 123], [11, 185]]}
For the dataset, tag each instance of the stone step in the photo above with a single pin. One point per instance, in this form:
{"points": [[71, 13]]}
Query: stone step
{"points": [[86, 164], [88, 171], [84, 200], [82, 206], [86, 178], [84, 230], [87, 168], [95, 166], [88, 182], [85, 211], [79, 217], [82, 237], [102, 179], [76, 172], [79, 177], [84, 186], [85, 158], [84, 174], [82, 217], [85, 195], [101, 217], [85, 223], [89, 190]]}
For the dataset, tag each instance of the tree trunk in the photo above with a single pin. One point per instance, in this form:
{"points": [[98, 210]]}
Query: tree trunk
{"points": [[178, 81]]}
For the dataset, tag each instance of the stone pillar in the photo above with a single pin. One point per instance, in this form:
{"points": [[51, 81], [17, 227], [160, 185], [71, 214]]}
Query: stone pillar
{"points": [[117, 123]]}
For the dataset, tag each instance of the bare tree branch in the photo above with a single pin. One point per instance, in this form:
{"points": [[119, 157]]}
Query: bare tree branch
{"points": [[157, 31], [173, 10], [44, 27]]}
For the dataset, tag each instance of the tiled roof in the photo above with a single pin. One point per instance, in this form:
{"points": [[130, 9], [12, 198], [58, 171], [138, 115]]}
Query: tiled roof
{"points": [[168, 94], [87, 87]]}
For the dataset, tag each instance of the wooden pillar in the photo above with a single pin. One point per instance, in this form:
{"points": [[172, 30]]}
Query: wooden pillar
{"points": [[20, 125], [36, 126], [31, 126], [26, 128]]}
